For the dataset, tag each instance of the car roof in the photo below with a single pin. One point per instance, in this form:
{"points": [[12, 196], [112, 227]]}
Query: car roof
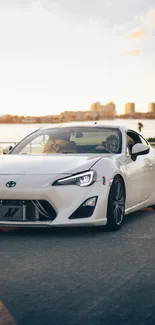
{"points": [[83, 124]]}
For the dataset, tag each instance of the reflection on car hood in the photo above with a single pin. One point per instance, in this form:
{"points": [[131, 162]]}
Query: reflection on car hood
{"points": [[46, 164]]}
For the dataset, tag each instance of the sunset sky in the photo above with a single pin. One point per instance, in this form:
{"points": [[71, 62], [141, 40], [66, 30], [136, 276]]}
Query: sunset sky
{"points": [[58, 55]]}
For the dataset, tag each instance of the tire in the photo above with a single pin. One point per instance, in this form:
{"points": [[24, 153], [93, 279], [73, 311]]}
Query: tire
{"points": [[116, 205]]}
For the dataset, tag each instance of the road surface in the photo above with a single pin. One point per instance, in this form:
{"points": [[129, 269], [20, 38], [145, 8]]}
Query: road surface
{"points": [[79, 276]]}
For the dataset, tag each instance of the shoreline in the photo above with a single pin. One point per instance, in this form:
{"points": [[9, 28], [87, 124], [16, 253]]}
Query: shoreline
{"points": [[76, 120]]}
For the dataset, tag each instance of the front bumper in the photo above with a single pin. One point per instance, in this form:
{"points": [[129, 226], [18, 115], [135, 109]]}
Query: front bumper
{"points": [[64, 199]]}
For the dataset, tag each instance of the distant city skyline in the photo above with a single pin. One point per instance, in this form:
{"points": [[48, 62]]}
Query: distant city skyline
{"points": [[109, 109], [62, 55]]}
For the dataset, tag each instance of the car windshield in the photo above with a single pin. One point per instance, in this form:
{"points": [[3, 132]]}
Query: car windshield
{"points": [[75, 140]]}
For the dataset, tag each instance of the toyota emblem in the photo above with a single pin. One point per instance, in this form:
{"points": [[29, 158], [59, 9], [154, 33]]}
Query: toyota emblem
{"points": [[11, 184]]}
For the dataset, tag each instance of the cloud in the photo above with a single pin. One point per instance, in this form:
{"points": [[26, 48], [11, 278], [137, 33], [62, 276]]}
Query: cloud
{"points": [[149, 20], [84, 10], [17, 4], [116, 11], [131, 53], [145, 23], [137, 34], [146, 26]]}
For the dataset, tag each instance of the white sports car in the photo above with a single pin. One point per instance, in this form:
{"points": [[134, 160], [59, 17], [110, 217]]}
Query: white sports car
{"points": [[76, 175]]}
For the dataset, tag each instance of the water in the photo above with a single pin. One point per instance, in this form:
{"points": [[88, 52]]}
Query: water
{"points": [[15, 132]]}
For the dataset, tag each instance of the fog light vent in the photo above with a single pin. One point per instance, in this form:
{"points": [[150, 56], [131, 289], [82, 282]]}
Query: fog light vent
{"points": [[85, 210], [90, 202]]}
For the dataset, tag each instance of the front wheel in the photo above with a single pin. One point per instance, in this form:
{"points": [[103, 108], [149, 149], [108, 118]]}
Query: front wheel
{"points": [[116, 205]]}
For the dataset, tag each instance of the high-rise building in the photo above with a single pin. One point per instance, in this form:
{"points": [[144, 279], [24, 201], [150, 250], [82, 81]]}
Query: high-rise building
{"points": [[151, 108], [130, 108], [108, 109], [95, 107]]}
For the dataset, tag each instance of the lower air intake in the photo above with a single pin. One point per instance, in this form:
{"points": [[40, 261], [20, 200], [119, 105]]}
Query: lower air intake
{"points": [[26, 210]]}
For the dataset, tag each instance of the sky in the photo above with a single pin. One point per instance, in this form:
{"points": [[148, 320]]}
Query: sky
{"points": [[58, 55]]}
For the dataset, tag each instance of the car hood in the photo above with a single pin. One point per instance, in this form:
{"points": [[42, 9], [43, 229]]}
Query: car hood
{"points": [[43, 165]]}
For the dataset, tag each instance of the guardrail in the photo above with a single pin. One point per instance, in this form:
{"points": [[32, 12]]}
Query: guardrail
{"points": [[152, 144], [8, 142]]}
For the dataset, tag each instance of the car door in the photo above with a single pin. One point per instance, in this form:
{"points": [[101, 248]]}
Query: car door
{"points": [[139, 173]]}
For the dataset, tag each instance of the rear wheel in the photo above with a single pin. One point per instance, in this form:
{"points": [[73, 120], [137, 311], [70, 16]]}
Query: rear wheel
{"points": [[116, 205]]}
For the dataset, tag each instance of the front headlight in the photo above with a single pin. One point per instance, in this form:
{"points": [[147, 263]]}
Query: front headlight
{"points": [[82, 179]]}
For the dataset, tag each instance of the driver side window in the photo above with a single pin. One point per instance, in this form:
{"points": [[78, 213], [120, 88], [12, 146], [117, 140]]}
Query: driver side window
{"points": [[130, 144], [132, 139]]}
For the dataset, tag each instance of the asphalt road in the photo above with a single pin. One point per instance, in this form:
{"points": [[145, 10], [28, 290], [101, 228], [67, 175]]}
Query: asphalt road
{"points": [[79, 276]]}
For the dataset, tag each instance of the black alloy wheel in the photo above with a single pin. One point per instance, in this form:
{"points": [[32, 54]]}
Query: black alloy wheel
{"points": [[116, 204]]}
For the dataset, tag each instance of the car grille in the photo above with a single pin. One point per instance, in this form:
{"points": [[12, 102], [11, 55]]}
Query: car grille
{"points": [[26, 210]]}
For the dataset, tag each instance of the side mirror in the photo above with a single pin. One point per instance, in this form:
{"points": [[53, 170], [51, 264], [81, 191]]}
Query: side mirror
{"points": [[139, 149], [6, 150]]}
